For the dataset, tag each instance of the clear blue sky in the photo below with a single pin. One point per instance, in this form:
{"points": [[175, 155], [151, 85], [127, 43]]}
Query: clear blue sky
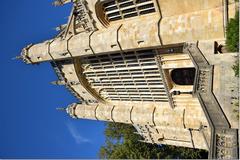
{"points": [[30, 125]]}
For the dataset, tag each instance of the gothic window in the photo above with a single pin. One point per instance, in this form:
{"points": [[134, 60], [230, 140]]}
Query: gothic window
{"points": [[121, 9], [129, 76]]}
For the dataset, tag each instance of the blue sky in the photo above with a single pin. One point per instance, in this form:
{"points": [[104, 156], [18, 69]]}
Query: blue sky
{"points": [[30, 125]]}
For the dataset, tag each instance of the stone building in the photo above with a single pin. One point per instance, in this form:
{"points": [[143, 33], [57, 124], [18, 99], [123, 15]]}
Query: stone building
{"points": [[154, 64]]}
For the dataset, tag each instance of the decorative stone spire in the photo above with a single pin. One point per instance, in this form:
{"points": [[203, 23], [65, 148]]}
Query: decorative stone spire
{"points": [[58, 83], [61, 2], [61, 109], [17, 58], [61, 27]]}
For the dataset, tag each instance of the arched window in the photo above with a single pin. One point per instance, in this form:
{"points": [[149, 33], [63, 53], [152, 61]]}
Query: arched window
{"points": [[101, 14], [114, 10], [183, 76]]}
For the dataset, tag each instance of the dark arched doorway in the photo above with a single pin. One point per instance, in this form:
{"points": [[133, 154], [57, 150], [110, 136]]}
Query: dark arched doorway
{"points": [[183, 76]]}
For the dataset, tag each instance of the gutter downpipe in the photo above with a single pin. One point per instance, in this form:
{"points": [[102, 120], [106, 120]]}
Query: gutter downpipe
{"points": [[225, 15]]}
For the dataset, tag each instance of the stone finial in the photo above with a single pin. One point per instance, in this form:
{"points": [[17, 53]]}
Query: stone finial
{"points": [[17, 58], [58, 83], [61, 109], [57, 3], [61, 27], [61, 2]]}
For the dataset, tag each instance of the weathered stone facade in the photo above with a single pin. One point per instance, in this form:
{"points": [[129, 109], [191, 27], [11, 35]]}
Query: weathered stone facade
{"points": [[144, 62]]}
